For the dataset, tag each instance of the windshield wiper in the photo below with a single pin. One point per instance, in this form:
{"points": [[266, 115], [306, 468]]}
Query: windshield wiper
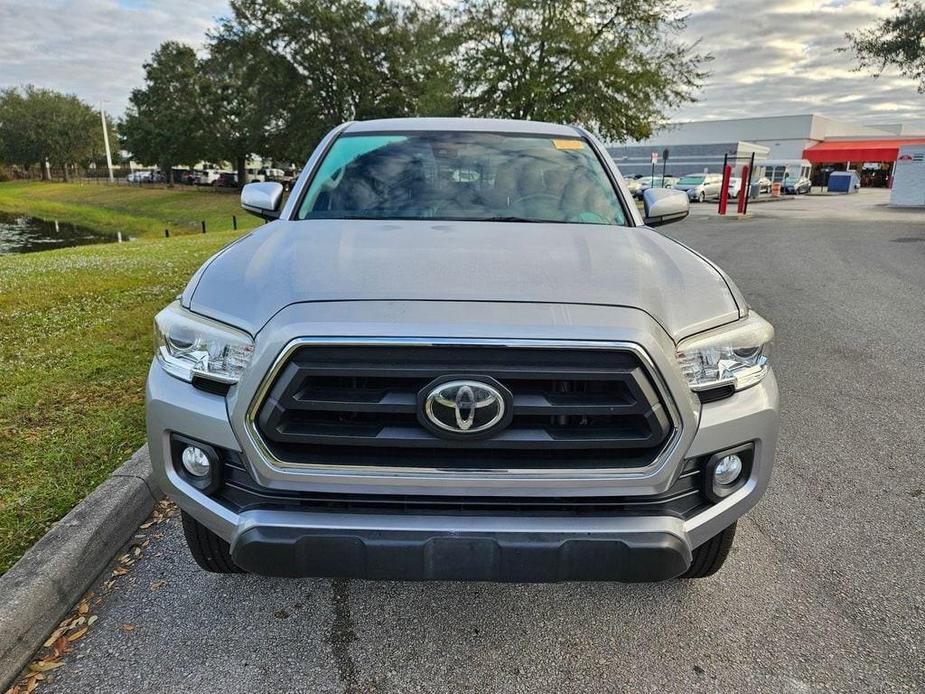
{"points": [[508, 218]]}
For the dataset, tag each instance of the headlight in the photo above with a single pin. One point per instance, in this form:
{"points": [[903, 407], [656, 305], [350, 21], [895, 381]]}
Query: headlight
{"points": [[735, 354], [188, 345]]}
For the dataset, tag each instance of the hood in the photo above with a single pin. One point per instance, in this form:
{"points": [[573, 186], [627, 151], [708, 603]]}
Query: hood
{"points": [[287, 262]]}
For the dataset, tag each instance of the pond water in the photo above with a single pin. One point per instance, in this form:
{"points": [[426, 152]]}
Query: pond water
{"points": [[24, 234]]}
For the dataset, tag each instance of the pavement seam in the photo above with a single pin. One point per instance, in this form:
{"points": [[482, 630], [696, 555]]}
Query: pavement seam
{"points": [[342, 634]]}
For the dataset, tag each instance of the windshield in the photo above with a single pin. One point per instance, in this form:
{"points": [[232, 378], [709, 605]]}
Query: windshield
{"points": [[462, 176], [691, 180]]}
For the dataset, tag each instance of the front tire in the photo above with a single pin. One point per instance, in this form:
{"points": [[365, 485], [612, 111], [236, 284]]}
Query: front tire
{"points": [[210, 551], [711, 555], [702, 197]]}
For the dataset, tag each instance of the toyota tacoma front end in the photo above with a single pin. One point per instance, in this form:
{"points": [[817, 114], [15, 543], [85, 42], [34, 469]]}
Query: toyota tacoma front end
{"points": [[459, 351]]}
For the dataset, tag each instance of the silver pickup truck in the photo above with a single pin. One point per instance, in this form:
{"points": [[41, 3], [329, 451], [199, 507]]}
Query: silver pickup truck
{"points": [[459, 351]]}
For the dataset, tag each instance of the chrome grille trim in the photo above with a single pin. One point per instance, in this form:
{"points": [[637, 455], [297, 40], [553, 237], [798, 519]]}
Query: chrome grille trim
{"points": [[499, 475]]}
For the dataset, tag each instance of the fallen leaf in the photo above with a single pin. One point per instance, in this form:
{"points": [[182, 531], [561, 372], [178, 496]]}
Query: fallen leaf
{"points": [[128, 627], [83, 607], [61, 646], [54, 637], [157, 585], [74, 636], [92, 620], [119, 571], [44, 665], [145, 526]]}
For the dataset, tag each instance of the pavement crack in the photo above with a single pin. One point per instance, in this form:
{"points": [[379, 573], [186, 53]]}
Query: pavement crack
{"points": [[342, 634]]}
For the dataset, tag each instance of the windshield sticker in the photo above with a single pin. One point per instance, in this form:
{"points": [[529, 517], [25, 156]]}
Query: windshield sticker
{"points": [[568, 144]]}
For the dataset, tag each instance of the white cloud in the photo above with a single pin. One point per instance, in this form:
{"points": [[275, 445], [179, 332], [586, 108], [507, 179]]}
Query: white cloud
{"points": [[771, 58], [94, 48], [782, 57]]}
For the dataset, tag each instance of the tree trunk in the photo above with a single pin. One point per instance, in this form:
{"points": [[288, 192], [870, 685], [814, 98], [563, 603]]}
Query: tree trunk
{"points": [[67, 177], [242, 171], [44, 168]]}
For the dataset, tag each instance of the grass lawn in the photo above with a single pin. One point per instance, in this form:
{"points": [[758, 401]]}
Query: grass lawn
{"points": [[77, 341], [134, 210]]}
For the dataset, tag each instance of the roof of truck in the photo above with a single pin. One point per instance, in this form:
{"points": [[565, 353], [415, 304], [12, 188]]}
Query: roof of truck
{"points": [[494, 125]]}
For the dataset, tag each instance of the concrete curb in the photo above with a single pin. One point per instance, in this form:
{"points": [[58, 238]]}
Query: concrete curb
{"points": [[40, 589]]}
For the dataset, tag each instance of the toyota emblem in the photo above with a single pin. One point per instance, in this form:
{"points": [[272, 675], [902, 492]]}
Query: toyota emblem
{"points": [[464, 406]]}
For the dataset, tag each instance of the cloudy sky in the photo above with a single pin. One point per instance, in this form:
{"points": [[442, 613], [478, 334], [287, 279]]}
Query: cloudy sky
{"points": [[771, 57]]}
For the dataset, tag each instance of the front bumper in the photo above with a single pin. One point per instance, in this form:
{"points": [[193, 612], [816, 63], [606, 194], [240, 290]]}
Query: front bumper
{"points": [[461, 549], [420, 544]]}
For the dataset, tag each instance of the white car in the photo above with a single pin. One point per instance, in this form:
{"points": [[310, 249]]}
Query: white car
{"points": [[209, 176], [735, 185], [646, 182]]}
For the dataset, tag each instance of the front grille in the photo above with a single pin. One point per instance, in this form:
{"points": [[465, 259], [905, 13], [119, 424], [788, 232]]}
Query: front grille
{"points": [[239, 493], [357, 405]]}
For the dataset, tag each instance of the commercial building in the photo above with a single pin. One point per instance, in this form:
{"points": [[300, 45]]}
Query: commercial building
{"points": [[687, 158], [825, 144]]}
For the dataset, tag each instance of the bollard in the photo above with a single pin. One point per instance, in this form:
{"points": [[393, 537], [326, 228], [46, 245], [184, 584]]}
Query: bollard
{"points": [[203, 226], [743, 189], [234, 222], [166, 233], [724, 189]]}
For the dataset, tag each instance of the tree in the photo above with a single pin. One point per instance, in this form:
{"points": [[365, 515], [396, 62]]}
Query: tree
{"points": [[287, 71], [614, 66], [164, 123], [897, 41], [38, 124], [247, 91]]}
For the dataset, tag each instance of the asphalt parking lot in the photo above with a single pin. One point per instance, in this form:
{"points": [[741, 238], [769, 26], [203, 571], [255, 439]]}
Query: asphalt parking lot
{"points": [[824, 590]]}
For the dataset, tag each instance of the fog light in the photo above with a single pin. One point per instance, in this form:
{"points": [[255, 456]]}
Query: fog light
{"points": [[196, 461], [727, 470]]}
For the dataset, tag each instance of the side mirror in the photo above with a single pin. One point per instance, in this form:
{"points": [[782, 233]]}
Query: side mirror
{"points": [[664, 206], [262, 199]]}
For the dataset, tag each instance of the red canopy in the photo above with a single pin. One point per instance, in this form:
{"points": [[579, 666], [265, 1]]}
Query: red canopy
{"points": [[858, 150]]}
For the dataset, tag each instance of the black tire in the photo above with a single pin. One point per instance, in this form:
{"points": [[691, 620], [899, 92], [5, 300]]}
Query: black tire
{"points": [[702, 197], [711, 555], [210, 551]]}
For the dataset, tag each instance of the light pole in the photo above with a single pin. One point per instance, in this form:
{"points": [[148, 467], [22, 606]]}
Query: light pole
{"points": [[106, 142]]}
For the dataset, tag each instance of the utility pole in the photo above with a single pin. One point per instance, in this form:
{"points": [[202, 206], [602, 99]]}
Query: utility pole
{"points": [[106, 142]]}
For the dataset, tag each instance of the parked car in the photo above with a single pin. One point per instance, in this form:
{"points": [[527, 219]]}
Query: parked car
{"points": [[147, 176], [289, 178], [633, 185], [266, 175], [639, 185], [359, 388], [226, 180], [208, 177], [735, 185], [797, 186], [699, 187], [764, 184]]}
